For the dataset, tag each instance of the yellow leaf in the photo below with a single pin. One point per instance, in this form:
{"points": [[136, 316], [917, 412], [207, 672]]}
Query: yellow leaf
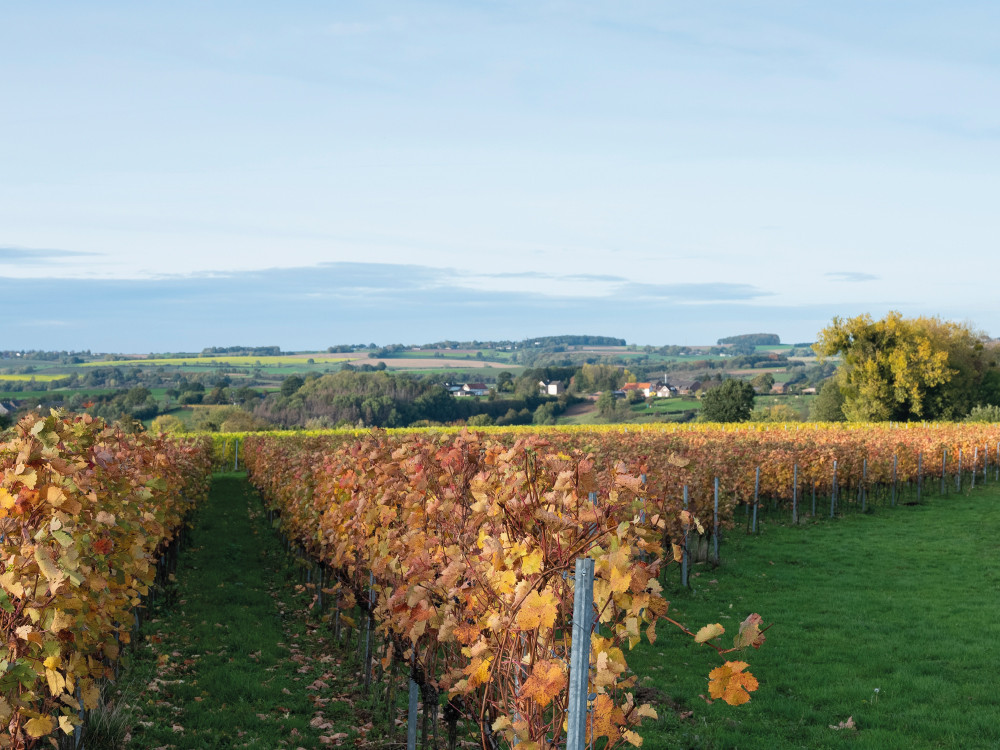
{"points": [[632, 738], [709, 632], [478, 671], [10, 581], [6, 499], [532, 563], [27, 477], [61, 621], [39, 727], [608, 718], [537, 610], [502, 722], [66, 724], [620, 581], [504, 582], [91, 695], [53, 662], [57, 683], [55, 496], [49, 569], [632, 630], [647, 711]]}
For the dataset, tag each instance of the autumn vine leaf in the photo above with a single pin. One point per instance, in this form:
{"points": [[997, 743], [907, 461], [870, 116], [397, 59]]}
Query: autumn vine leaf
{"points": [[731, 683], [709, 632], [750, 634], [548, 678], [537, 610]]}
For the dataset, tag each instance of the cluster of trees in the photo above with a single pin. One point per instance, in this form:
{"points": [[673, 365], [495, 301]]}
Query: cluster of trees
{"points": [[900, 369], [214, 419], [388, 399], [37, 355], [242, 351], [730, 402], [747, 343], [753, 339]]}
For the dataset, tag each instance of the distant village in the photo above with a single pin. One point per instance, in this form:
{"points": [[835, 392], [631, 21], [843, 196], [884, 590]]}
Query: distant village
{"points": [[653, 389]]}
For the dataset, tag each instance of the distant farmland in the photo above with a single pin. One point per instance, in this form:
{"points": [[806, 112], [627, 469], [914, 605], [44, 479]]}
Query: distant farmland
{"points": [[234, 361], [32, 376]]}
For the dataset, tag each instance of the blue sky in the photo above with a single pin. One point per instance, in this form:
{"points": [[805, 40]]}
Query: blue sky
{"points": [[307, 173]]}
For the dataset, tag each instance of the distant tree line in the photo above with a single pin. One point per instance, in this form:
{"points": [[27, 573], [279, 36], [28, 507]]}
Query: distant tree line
{"points": [[753, 339], [242, 351]]}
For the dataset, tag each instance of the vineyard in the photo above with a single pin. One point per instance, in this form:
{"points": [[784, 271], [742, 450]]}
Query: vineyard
{"points": [[506, 573], [460, 547], [89, 518]]}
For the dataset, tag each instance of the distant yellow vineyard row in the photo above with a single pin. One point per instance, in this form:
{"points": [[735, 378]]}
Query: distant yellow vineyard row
{"points": [[225, 443], [33, 376], [623, 428], [236, 361]]}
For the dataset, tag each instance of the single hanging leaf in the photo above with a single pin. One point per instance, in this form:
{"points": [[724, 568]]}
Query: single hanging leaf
{"points": [[749, 634], [709, 632], [39, 727], [632, 738]]}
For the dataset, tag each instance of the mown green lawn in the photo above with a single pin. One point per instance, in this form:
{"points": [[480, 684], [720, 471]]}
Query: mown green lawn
{"points": [[889, 620]]}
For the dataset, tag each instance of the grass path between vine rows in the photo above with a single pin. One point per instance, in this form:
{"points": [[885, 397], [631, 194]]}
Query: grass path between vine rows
{"points": [[228, 657]]}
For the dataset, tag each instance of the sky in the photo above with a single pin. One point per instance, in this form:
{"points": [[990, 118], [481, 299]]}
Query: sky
{"points": [[190, 174]]}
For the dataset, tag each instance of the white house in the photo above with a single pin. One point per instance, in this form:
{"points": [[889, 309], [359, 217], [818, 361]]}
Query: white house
{"points": [[551, 388]]}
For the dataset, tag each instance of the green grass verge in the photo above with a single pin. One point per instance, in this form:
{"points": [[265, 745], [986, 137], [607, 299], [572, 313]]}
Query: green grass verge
{"points": [[891, 619]]}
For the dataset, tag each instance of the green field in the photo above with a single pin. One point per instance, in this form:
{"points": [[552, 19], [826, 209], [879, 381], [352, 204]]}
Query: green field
{"points": [[20, 396], [666, 406], [800, 403], [236, 361], [489, 355], [891, 620]]}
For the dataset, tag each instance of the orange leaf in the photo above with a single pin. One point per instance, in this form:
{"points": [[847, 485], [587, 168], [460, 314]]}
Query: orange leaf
{"points": [[731, 683], [546, 680]]}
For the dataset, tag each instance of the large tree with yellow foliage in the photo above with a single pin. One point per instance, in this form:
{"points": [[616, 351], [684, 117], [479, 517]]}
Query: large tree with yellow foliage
{"points": [[901, 368]]}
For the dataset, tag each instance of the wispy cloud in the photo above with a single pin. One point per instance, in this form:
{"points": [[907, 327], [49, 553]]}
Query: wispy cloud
{"points": [[27, 255], [335, 303], [706, 292], [851, 276]]}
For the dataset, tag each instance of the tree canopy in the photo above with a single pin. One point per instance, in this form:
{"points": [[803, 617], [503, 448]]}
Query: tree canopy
{"points": [[901, 368], [730, 402]]}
